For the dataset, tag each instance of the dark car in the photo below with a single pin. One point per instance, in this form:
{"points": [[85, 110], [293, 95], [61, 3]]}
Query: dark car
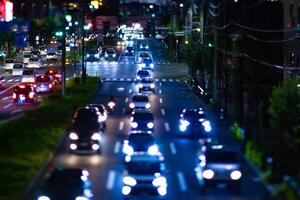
{"points": [[140, 74], [55, 75], [142, 119], [102, 112], [43, 84], [129, 51], [92, 55], [140, 143], [147, 84], [65, 184], [218, 164], [85, 133], [24, 94], [147, 64], [194, 122], [1, 82]]}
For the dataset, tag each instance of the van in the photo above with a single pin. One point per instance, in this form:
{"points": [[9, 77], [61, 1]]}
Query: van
{"points": [[17, 69]]}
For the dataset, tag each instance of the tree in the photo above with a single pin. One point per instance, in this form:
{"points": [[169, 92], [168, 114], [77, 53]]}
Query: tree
{"points": [[192, 56], [285, 111]]}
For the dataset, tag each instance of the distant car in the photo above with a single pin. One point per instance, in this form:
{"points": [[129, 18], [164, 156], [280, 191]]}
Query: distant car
{"points": [[2, 53], [139, 101], [147, 64], [26, 57], [1, 82], [35, 54], [17, 69], [28, 76], [142, 119], [121, 43], [24, 94], [144, 175], [110, 54], [219, 165], [129, 51], [56, 76], [103, 113], [140, 74], [8, 64], [142, 56], [144, 46], [92, 55], [194, 122], [51, 56], [67, 184], [147, 84], [43, 84], [34, 63], [140, 143]]}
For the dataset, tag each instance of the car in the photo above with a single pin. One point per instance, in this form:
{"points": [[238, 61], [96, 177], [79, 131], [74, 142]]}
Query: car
{"points": [[1, 82], [26, 57], [140, 74], [35, 54], [142, 119], [51, 56], [146, 84], [43, 84], [129, 51], [28, 76], [17, 69], [140, 144], [143, 55], [147, 64], [56, 76], [218, 164], [110, 54], [34, 63], [121, 43], [8, 64], [65, 183], [144, 46], [92, 55], [102, 112], [139, 101], [24, 94], [144, 175], [194, 122], [2, 54]]}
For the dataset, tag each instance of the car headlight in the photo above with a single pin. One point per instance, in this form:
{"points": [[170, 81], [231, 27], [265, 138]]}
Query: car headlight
{"points": [[162, 191], [143, 65], [102, 118], [235, 175], [152, 85], [106, 55], [152, 65], [88, 55], [159, 181], [96, 136], [126, 190], [182, 128], [184, 122], [73, 136], [81, 198], [148, 106], [150, 125], [126, 51], [207, 126], [134, 124], [147, 47], [114, 55], [118, 43], [43, 198], [127, 149], [131, 105], [153, 150], [206, 123], [208, 174], [128, 180], [138, 77], [140, 85], [73, 146]]}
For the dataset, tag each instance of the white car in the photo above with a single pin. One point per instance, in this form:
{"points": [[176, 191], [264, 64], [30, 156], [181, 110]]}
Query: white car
{"points": [[142, 56], [34, 63], [17, 69], [139, 101], [110, 54], [140, 74], [51, 56], [28, 76], [8, 64], [26, 57], [146, 84]]}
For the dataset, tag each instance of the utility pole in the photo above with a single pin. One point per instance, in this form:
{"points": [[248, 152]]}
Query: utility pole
{"points": [[63, 61], [215, 62]]}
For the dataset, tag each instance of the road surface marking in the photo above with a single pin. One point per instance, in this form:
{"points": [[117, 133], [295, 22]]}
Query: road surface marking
{"points": [[7, 106], [173, 148], [110, 180], [117, 147], [130, 91], [182, 183], [51, 64], [163, 111], [15, 111], [10, 80], [17, 80], [124, 110], [171, 80], [128, 79], [114, 79], [159, 83], [6, 98], [126, 100], [159, 91], [163, 80], [160, 100], [121, 126], [121, 79], [167, 126], [156, 80], [177, 80]]}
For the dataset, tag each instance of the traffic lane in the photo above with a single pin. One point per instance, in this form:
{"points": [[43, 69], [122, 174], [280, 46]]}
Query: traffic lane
{"points": [[158, 51], [173, 71]]}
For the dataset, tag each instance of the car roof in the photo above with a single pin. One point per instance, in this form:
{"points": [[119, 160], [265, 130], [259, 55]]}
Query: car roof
{"points": [[146, 158], [141, 111]]}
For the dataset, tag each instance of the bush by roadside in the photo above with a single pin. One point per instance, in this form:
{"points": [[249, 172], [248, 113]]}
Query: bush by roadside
{"points": [[27, 141]]}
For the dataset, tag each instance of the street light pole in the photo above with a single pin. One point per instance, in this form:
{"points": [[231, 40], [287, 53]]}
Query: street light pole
{"points": [[63, 61], [83, 69]]}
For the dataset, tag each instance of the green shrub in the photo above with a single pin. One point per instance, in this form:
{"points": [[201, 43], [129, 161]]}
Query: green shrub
{"points": [[237, 132], [255, 153], [286, 192]]}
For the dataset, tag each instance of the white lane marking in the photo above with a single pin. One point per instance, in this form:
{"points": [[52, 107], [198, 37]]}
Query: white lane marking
{"points": [[51, 64], [17, 80], [126, 100], [128, 79], [110, 180], [163, 80], [173, 148], [160, 100], [7, 106], [156, 80], [6, 98], [114, 79], [10, 80], [8, 89], [159, 91], [167, 126], [121, 79], [130, 91], [177, 80], [117, 147], [182, 183], [159, 83], [124, 110], [121, 126], [171, 80], [163, 111], [15, 111]]}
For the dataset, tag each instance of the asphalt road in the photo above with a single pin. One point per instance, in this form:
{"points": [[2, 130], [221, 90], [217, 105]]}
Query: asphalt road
{"points": [[172, 95]]}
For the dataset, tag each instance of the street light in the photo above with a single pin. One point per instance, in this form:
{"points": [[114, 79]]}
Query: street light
{"points": [[181, 5]]}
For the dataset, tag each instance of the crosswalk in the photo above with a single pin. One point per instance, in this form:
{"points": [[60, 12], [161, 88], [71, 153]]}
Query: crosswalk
{"points": [[133, 80], [129, 62], [11, 80]]}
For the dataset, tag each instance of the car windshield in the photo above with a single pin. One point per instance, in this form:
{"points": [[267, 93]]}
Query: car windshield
{"points": [[110, 51], [65, 178], [146, 81], [18, 66], [85, 116], [51, 54], [194, 115], [129, 48], [43, 79], [143, 116], [9, 61], [145, 168], [141, 139], [28, 72], [143, 73], [221, 157], [33, 59], [144, 55], [140, 98], [92, 52], [147, 61]]}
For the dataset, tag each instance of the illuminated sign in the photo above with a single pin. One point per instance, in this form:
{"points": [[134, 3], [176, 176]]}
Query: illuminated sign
{"points": [[6, 11]]}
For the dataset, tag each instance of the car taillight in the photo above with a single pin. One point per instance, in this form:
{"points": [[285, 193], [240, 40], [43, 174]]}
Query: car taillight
{"points": [[50, 85], [31, 95], [34, 85], [57, 75], [14, 95]]}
